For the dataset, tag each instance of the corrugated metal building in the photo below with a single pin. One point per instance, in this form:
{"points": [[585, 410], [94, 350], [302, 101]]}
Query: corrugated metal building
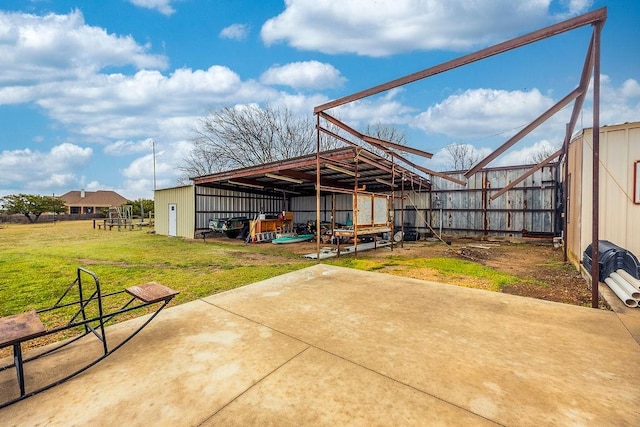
{"points": [[530, 209], [174, 210], [619, 213], [527, 210], [224, 203]]}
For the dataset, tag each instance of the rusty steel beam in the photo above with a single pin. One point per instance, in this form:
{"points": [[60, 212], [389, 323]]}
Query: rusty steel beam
{"points": [[372, 163], [527, 174], [363, 158], [341, 125], [524, 132], [421, 168], [340, 163], [584, 84], [565, 197], [595, 247], [318, 194], [395, 155], [389, 144], [434, 173], [587, 69], [338, 137], [598, 15], [353, 132]]}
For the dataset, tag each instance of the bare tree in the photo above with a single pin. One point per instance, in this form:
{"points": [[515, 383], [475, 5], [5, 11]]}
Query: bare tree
{"points": [[236, 137], [542, 153], [386, 133], [463, 156]]}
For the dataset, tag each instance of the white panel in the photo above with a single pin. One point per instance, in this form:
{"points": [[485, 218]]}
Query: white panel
{"points": [[365, 204], [380, 210]]}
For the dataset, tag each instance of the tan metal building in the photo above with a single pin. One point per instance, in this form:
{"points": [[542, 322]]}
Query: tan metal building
{"points": [[175, 211], [619, 213]]}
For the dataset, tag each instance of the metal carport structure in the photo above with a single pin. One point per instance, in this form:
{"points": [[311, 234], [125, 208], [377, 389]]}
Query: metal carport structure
{"points": [[590, 68]]}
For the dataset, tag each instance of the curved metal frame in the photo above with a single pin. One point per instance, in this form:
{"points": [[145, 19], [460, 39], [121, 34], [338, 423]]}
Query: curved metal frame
{"points": [[92, 324]]}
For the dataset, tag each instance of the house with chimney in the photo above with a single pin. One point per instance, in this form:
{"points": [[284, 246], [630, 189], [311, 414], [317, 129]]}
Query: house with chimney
{"points": [[91, 202]]}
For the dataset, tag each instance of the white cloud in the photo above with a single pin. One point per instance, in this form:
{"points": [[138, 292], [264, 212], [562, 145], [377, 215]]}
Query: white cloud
{"points": [[141, 167], [38, 49], [482, 112], [162, 6], [617, 104], [527, 155], [107, 107], [389, 27], [304, 75], [574, 7], [43, 170], [298, 104], [57, 180], [124, 148], [235, 32], [95, 186], [384, 109], [139, 174], [630, 89]]}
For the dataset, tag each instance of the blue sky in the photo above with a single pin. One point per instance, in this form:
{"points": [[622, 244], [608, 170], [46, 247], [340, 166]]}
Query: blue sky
{"points": [[85, 86]]}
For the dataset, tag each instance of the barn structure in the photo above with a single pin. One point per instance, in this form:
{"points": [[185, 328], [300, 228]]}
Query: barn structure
{"points": [[619, 187], [350, 177], [285, 183], [419, 206]]}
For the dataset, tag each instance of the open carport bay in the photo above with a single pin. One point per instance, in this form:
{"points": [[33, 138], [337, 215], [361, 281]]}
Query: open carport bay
{"points": [[333, 346]]}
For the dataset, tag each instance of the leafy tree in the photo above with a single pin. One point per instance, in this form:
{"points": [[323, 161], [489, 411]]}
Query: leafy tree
{"points": [[32, 205], [141, 204], [242, 136]]}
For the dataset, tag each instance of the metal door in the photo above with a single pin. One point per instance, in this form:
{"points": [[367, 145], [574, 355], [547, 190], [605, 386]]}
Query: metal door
{"points": [[173, 219]]}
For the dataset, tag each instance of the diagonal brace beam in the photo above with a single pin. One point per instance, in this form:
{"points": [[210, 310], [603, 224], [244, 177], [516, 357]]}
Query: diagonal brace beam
{"points": [[527, 174], [525, 131], [400, 147]]}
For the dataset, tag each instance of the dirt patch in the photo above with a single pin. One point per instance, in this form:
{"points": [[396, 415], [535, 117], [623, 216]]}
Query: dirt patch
{"points": [[540, 266]]}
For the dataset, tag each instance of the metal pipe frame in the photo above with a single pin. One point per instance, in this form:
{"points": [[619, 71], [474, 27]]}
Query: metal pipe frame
{"points": [[595, 18], [595, 267], [553, 30], [99, 319]]}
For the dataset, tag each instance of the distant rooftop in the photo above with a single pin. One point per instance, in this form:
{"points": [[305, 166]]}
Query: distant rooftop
{"points": [[100, 198]]}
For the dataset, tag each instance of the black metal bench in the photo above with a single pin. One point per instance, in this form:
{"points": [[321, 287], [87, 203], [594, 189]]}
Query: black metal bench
{"points": [[85, 311]]}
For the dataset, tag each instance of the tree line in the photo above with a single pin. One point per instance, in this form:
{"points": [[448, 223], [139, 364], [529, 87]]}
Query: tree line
{"points": [[238, 137], [32, 206], [242, 136]]}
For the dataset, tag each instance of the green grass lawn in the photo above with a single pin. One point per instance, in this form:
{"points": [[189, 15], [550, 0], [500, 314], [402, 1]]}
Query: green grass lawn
{"points": [[38, 261]]}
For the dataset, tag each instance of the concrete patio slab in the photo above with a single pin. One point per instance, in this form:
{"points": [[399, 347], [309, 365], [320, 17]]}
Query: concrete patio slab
{"points": [[329, 345], [319, 388]]}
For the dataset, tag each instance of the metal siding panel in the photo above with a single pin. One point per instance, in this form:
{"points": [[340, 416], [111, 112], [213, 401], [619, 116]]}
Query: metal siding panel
{"points": [[632, 210], [509, 214], [618, 214], [219, 203], [183, 198], [186, 212]]}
